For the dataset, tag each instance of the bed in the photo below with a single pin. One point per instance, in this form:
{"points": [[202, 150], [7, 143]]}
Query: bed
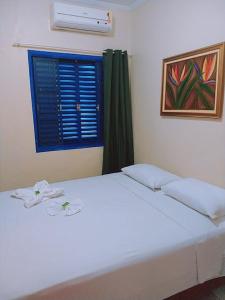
{"points": [[127, 243]]}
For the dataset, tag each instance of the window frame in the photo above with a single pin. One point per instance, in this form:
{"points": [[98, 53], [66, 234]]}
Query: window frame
{"points": [[70, 56]]}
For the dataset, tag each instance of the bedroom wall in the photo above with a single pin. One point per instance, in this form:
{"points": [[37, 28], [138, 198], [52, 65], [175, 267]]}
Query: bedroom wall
{"points": [[28, 21], [186, 146]]}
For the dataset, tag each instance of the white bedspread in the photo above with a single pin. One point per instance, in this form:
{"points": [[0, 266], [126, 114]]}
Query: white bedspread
{"points": [[128, 243]]}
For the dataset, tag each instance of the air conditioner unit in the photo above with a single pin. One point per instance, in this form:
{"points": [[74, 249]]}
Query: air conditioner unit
{"points": [[73, 17]]}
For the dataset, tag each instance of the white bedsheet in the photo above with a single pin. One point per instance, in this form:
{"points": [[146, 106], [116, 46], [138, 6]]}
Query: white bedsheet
{"points": [[128, 243]]}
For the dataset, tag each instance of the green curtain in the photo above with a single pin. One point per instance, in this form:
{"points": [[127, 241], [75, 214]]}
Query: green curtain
{"points": [[118, 131]]}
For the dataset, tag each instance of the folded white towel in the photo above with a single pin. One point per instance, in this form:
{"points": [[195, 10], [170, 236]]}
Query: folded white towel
{"points": [[67, 208], [40, 192]]}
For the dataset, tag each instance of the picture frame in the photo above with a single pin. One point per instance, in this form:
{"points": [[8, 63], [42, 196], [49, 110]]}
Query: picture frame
{"points": [[193, 83]]}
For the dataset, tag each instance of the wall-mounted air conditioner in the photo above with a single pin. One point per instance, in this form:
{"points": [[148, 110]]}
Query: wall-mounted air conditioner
{"points": [[74, 17]]}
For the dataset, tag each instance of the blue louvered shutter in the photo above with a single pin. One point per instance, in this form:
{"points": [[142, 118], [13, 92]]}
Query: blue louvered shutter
{"points": [[47, 115], [67, 101], [89, 89]]}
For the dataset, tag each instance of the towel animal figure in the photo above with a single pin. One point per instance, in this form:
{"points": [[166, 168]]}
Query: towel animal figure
{"points": [[40, 192]]}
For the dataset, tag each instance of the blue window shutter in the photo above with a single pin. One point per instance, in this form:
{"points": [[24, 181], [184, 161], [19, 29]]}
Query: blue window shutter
{"points": [[89, 100], [67, 100], [47, 99]]}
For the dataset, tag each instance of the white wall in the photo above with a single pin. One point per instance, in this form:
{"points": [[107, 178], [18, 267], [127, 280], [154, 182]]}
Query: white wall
{"points": [[186, 146], [28, 21]]}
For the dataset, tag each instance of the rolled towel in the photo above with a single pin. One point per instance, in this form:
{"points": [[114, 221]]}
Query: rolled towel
{"points": [[66, 208], [40, 192]]}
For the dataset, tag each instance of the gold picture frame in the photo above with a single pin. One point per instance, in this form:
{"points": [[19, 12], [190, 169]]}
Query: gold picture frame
{"points": [[193, 83]]}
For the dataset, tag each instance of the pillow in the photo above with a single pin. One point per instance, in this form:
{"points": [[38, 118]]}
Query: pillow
{"points": [[149, 175], [206, 198]]}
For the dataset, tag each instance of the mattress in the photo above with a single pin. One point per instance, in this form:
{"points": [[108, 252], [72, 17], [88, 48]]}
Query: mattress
{"points": [[127, 243]]}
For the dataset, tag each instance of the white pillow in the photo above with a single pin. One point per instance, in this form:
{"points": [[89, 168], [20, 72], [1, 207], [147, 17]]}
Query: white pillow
{"points": [[206, 198], [149, 175]]}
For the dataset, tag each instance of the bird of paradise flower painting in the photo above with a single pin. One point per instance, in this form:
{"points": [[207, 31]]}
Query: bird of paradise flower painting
{"points": [[193, 83]]}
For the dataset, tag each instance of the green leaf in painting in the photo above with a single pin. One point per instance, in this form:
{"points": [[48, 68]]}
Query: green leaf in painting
{"points": [[171, 95], [183, 85], [184, 98], [202, 97], [207, 89]]}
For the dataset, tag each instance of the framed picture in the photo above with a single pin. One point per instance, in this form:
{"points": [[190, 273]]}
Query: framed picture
{"points": [[193, 83]]}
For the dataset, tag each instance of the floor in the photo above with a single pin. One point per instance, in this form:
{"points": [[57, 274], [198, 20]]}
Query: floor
{"points": [[217, 294], [212, 290]]}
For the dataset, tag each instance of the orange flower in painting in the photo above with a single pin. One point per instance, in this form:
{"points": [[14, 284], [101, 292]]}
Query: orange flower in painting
{"points": [[208, 67], [177, 78]]}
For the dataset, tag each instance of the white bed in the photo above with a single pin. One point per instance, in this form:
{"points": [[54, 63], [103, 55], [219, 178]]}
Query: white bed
{"points": [[127, 243]]}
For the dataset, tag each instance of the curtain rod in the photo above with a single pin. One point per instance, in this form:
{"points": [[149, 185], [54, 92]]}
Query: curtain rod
{"points": [[44, 47]]}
